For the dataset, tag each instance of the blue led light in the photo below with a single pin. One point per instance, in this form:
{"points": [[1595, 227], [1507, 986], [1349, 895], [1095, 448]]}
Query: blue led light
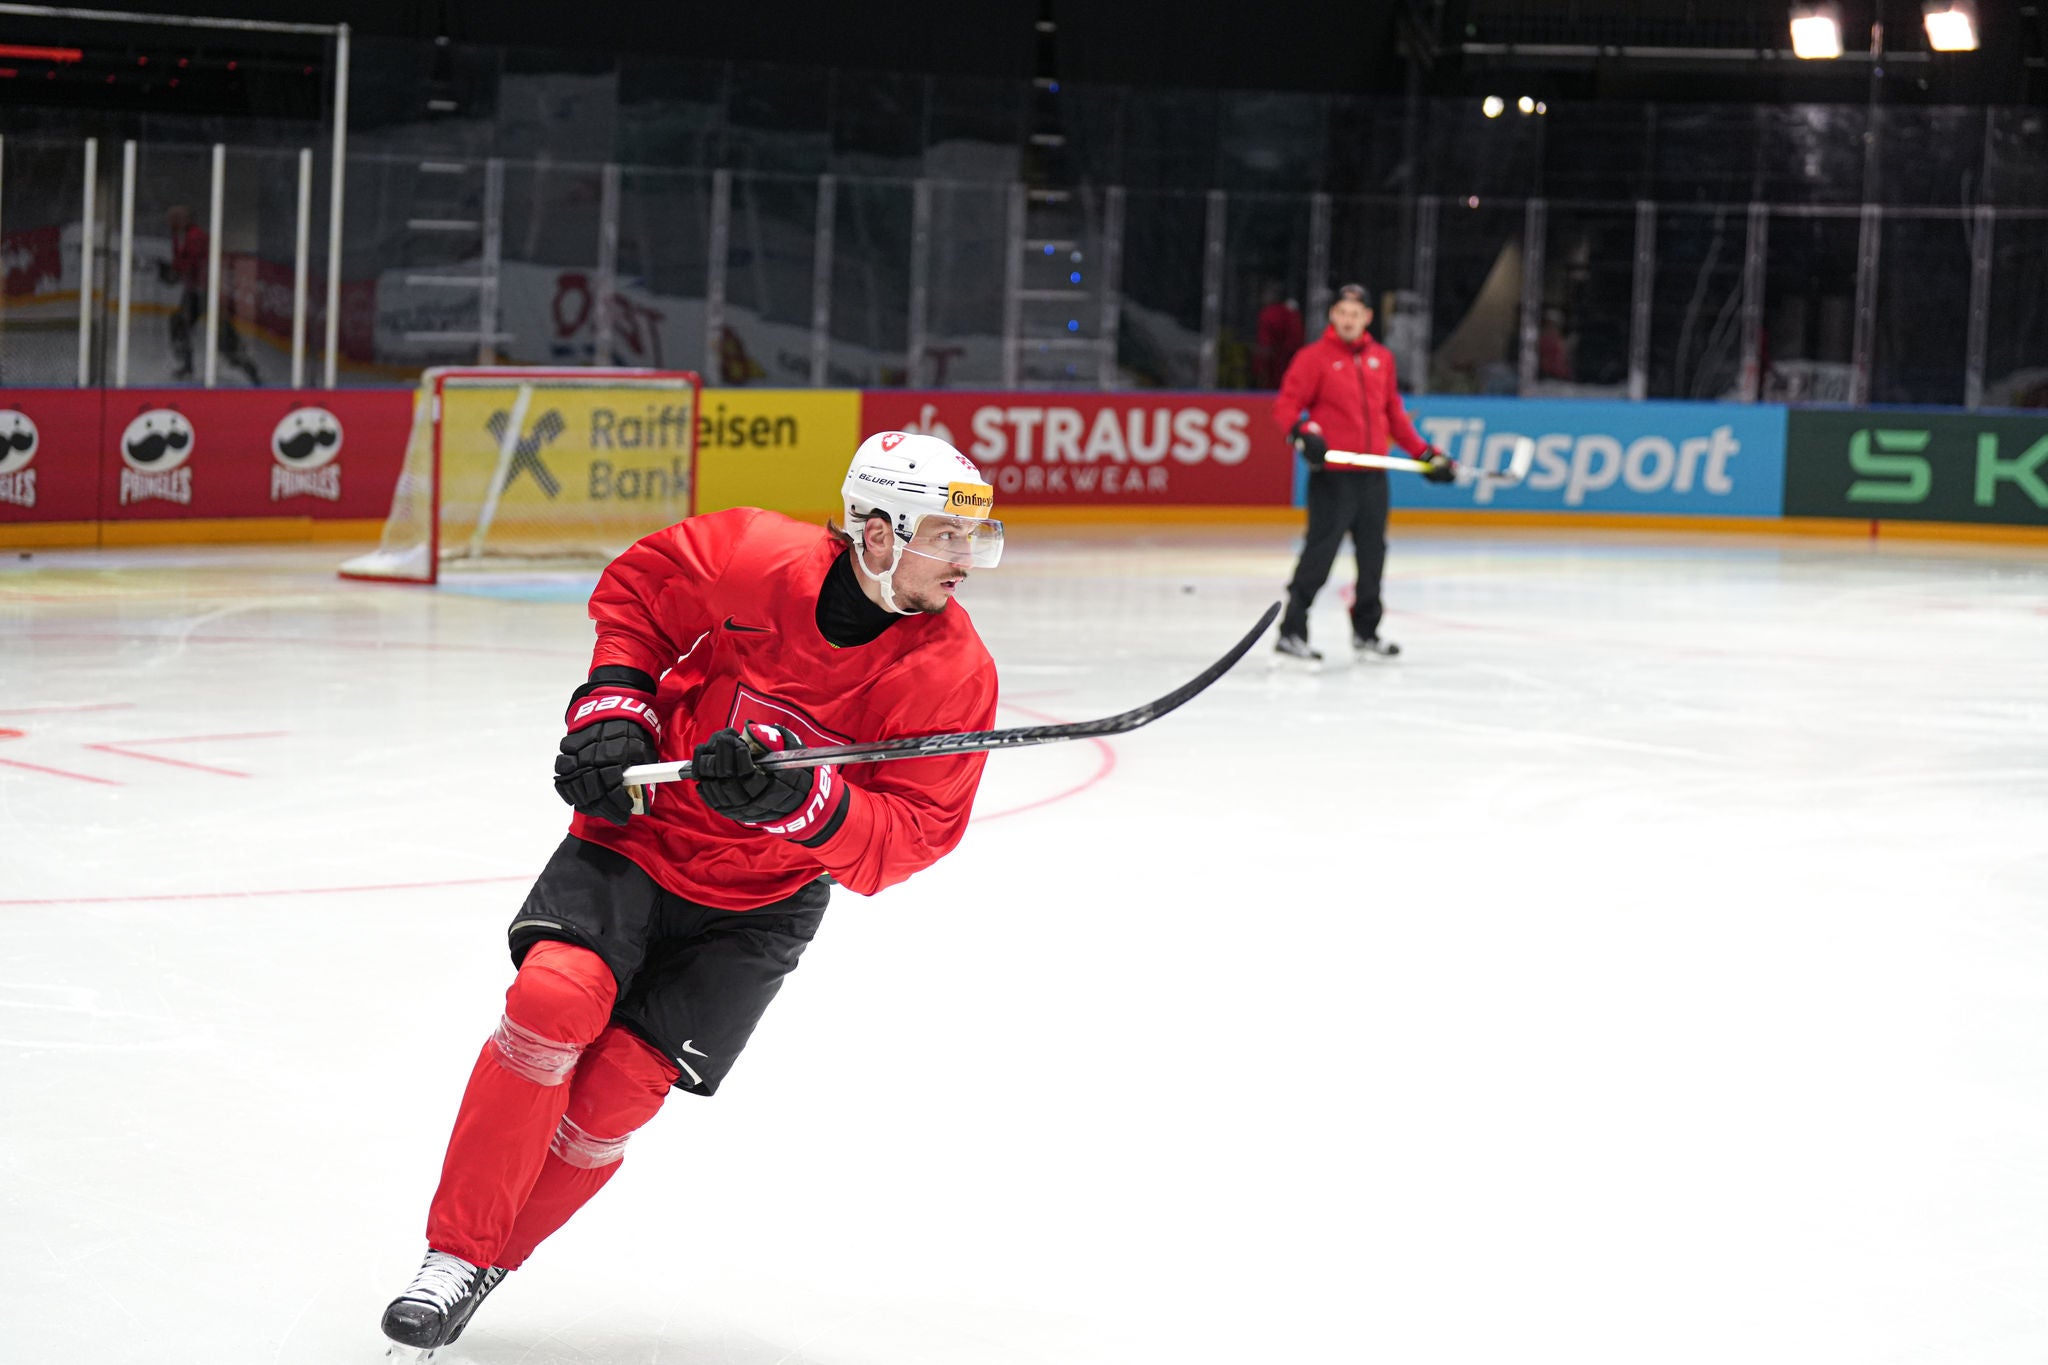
{"points": [[1074, 278], [1048, 248], [1073, 325]]}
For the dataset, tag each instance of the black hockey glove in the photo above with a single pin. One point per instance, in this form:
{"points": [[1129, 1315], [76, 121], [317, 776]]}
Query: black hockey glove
{"points": [[1442, 468], [612, 726], [1308, 442], [804, 804]]}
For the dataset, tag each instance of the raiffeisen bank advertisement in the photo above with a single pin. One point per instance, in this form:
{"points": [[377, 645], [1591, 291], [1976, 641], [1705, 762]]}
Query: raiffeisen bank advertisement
{"points": [[1684, 459]]}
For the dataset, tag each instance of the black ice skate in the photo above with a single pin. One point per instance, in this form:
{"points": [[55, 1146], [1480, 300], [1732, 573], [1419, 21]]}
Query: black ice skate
{"points": [[1296, 648], [439, 1302], [1365, 647]]}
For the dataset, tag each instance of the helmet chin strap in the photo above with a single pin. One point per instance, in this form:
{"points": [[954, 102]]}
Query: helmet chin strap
{"points": [[885, 580]]}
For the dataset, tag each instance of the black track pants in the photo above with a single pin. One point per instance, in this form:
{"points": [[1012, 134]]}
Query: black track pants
{"points": [[1353, 502]]}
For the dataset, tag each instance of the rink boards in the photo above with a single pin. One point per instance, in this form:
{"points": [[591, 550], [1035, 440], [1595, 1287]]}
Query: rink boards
{"points": [[94, 466]]}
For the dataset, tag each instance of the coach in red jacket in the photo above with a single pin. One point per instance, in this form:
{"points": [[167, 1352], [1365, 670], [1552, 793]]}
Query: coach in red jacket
{"points": [[1339, 394]]}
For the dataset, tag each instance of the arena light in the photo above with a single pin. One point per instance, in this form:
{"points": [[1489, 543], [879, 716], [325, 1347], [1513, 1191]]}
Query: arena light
{"points": [[41, 54], [1527, 104], [1492, 106], [1817, 31], [1951, 25]]}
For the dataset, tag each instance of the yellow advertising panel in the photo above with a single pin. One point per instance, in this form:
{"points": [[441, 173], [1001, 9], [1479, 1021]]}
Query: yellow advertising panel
{"points": [[782, 449], [565, 468]]}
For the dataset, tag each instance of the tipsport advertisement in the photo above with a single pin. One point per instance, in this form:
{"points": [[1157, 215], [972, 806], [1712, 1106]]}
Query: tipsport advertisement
{"points": [[1685, 459]]}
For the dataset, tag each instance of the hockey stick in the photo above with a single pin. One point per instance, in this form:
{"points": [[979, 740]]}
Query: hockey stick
{"points": [[1517, 470], [976, 741]]}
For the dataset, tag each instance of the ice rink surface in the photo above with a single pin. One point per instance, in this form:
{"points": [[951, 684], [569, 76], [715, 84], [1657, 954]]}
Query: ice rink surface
{"points": [[1651, 966]]}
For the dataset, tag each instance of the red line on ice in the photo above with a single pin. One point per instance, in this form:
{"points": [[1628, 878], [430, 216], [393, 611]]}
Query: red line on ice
{"points": [[59, 772], [53, 710], [1105, 765], [253, 895], [122, 748]]}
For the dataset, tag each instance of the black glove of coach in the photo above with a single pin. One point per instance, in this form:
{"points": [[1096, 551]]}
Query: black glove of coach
{"points": [[1442, 468], [612, 726], [1308, 442]]}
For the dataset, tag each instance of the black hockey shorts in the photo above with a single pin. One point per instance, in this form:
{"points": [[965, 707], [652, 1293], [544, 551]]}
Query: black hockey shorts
{"points": [[693, 980]]}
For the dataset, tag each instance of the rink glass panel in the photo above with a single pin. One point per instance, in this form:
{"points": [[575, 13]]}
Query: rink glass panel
{"points": [[869, 334], [2016, 350], [768, 280], [1265, 247], [1696, 303], [1475, 306], [44, 206], [551, 228], [1588, 293], [1372, 242], [165, 176], [1921, 346], [969, 258], [1159, 342], [663, 270], [1809, 312]]}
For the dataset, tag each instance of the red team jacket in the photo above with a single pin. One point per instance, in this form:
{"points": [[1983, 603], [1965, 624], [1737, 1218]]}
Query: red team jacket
{"points": [[1349, 391], [725, 605]]}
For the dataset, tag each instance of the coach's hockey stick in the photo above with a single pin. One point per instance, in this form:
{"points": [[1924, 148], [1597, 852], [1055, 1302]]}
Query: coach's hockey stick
{"points": [[976, 741], [1517, 470]]}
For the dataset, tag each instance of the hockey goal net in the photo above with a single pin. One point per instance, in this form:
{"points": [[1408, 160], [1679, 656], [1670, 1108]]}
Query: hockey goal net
{"points": [[518, 467]]}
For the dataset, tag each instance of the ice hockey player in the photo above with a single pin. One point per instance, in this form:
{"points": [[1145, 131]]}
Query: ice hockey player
{"points": [[651, 943], [1339, 393]]}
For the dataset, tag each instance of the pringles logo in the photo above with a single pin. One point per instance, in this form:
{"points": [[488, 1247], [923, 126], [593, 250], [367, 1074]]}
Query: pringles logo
{"points": [[18, 442], [304, 445], [154, 449]]}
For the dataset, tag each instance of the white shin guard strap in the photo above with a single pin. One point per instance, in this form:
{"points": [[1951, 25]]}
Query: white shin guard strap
{"points": [[585, 1150], [531, 1057]]}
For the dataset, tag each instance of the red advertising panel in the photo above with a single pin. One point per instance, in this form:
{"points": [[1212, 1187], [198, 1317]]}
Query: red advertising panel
{"points": [[1089, 449], [169, 454], [49, 455]]}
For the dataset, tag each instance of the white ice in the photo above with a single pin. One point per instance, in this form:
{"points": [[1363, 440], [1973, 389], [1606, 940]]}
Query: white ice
{"points": [[1649, 966]]}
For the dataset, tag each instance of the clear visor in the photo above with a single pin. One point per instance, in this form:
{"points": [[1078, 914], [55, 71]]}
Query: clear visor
{"points": [[974, 541]]}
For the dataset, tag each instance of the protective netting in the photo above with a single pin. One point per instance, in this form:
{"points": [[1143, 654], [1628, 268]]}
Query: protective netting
{"points": [[519, 466]]}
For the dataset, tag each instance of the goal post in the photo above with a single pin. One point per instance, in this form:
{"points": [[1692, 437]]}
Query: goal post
{"points": [[513, 465]]}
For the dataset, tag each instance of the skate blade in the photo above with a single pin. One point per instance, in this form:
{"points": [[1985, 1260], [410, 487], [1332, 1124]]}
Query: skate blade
{"points": [[411, 1355], [1287, 663]]}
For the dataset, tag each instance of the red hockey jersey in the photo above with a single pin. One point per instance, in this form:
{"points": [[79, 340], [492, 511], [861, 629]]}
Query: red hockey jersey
{"points": [[1348, 389], [725, 605]]}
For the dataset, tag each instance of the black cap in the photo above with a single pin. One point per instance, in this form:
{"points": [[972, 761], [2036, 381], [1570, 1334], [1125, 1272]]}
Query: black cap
{"points": [[1357, 293]]}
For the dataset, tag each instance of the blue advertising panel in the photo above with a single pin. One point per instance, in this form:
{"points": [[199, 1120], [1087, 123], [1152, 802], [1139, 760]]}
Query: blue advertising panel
{"points": [[1699, 459]]}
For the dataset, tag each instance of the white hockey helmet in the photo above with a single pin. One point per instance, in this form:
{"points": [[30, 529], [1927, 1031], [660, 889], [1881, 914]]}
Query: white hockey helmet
{"points": [[909, 478]]}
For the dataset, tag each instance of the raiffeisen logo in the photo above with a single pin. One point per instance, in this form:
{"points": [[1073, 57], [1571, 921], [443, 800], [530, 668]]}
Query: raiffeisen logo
{"points": [[1584, 463]]}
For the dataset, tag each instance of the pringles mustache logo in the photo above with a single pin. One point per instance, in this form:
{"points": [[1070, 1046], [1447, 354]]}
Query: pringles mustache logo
{"points": [[154, 449], [18, 442], [304, 445]]}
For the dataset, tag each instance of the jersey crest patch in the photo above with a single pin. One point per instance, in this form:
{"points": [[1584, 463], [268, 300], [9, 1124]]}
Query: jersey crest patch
{"points": [[749, 705]]}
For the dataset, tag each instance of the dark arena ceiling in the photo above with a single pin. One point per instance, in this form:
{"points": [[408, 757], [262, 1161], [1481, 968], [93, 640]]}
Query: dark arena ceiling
{"points": [[1711, 51]]}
